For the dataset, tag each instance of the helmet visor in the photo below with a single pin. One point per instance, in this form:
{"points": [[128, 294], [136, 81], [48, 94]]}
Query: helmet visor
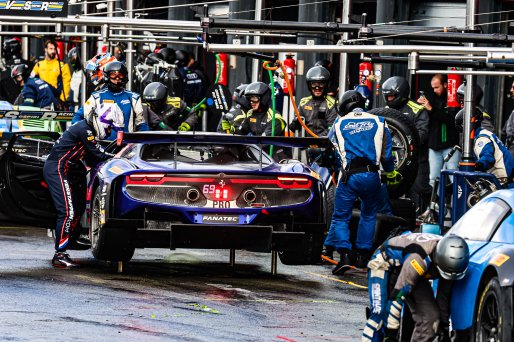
{"points": [[116, 75], [452, 275]]}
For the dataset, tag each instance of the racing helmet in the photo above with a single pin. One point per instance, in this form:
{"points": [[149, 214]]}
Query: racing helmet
{"points": [[115, 69], [182, 57], [11, 48], [238, 96], [478, 94], [155, 94], [350, 100], [452, 257], [476, 119], [95, 67], [399, 88], [74, 58], [22, 70], [259, 89], [104, 118], [318, 74], [153, 58], [168, 55]]}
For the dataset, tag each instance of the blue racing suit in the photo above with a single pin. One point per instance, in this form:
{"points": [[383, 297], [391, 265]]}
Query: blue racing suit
{"points": [[492, 156], [362, 141], [404, 265], [37, 93], [66, 178], [129, 103]]}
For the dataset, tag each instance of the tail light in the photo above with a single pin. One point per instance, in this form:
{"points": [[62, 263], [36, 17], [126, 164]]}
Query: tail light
{"points": [[149, 177]]}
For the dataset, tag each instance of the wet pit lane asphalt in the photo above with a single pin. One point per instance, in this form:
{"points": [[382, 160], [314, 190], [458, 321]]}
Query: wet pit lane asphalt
{"points": [[163, 295]]}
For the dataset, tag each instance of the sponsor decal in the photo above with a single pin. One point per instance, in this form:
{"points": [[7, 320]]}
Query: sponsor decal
{"points": [[307, 107], [90, 138], [126, 101], [116, 170], [215, 218], [376, 298], [315, 175], [356, 127], [499, 259], [253, 120], [417, 267], [34, 8], [480, 144], [108, 101]]}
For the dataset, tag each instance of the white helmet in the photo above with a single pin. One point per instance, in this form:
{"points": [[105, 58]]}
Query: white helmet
{"points": [[105, 117]]}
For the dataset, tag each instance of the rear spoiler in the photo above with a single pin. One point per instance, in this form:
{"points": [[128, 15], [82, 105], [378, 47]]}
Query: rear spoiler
{"points": [[221, 138]]}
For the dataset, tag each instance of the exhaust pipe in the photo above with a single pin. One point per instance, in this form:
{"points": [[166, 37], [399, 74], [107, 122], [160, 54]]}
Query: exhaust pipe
{"points": [[249, 196], [193, 195]]}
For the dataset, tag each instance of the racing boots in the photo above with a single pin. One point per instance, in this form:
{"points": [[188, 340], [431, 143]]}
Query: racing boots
{"points": [[63, 260], [362, 259], [344, 264]]}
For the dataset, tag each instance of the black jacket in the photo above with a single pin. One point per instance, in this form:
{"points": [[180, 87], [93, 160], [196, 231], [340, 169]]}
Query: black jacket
{"points": [[442, 131]]}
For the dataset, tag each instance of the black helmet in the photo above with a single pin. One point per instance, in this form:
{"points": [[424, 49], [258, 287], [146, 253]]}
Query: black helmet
{"points": [[350, 100], [20, 69], [324, 63], [182, 57], [168, 55], [239, 97], [74, 58], [259, 89], [399, 88], [153, 58], [11, 48], [478, 93], [476, 119], [155, 94], [318, 74], [113, 67], [452, 257]]}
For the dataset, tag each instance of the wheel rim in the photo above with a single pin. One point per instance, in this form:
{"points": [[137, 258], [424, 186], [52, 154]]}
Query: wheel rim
{"points": [[399, 147], [95, 222], [489, 327]]}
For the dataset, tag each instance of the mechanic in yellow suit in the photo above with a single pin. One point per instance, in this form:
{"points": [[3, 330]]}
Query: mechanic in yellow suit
{"points": [[53, 71]]}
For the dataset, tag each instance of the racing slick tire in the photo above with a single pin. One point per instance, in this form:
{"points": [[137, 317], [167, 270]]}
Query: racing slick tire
{"points": [[405, 148], [307, 254], [113, 244], [329, 205], [494, 316]]}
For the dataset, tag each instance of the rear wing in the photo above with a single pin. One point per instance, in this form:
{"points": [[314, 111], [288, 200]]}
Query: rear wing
{"points": [[221, 138]]}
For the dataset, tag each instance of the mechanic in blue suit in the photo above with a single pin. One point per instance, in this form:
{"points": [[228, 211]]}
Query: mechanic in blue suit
{"points": [[65, 175], [35, 92], [362, 142], [116, 76], [406, 264], [490, 153]]}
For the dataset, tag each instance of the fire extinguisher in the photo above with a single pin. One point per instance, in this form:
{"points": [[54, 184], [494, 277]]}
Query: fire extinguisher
{"points": [[365, 70], [224, 69], [60, 50], [454, 81], [290, 65]]}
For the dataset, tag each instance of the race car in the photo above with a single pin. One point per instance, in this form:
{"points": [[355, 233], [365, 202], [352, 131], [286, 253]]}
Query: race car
{"points": [[187, 190], [482, 302]]}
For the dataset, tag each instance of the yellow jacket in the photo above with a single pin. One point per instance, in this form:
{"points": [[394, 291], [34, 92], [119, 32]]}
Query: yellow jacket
{"points": [[49, 71]]}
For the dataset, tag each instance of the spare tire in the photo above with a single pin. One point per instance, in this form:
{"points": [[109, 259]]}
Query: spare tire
{"points": [[405, 148]]}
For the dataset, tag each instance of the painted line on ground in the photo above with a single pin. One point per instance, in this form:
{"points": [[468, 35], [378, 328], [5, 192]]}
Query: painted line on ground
{"points": [[338, 280]]}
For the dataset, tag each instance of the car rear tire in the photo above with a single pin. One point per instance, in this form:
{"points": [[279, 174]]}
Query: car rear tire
{"points": [[307, 254], [111, 244], [405, 148], [494, 321], [329, 205]]}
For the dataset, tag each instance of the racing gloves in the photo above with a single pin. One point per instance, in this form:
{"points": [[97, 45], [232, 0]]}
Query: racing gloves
{"points": [[393, 178], [226, 126], [184, 127]]}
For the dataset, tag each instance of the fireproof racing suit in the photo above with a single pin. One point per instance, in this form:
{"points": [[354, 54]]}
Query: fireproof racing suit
{"points": [[406, 262], [363, 141], [319, 114], [175, 113], [129, 103], [66, 178], [492, 156], [37, 93]]}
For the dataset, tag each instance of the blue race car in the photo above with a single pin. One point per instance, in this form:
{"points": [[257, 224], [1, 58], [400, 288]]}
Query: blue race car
{"points": [[187, 190], [482, 302]]}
